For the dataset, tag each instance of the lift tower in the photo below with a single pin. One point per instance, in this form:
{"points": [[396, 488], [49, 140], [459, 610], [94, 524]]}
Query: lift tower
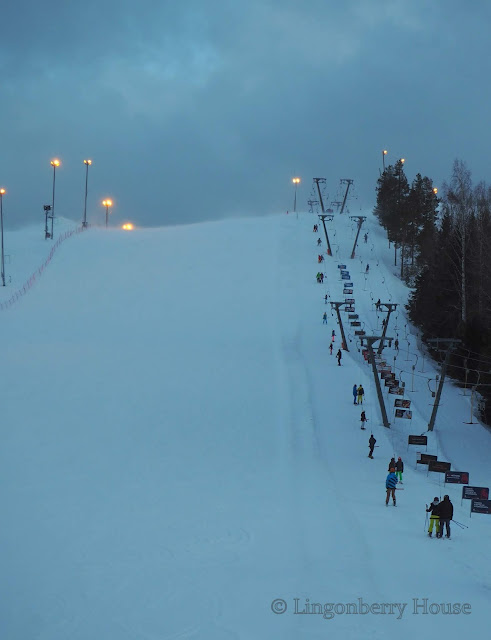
{"points": [[361, 220], [321, 181], [348, 182], [329, 217]]}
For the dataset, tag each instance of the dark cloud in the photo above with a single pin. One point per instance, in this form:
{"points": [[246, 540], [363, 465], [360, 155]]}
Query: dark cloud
{"points": [[198, 110]]}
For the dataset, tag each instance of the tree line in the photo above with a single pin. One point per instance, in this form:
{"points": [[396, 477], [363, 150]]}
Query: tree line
{"points": [[443, 244]]}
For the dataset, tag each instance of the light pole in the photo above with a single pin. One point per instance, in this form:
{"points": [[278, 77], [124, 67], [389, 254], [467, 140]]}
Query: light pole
{"points": [[54, 163], [107, 203], [2, 193], [87, 164], [384, 153], [296, 182]]}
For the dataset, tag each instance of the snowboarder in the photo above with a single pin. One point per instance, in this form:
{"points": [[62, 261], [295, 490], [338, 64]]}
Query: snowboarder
{"points": [[434, 509], [324, 318], [363, 419], [361, 393], [319, 242], [392, 463], [330, 348], [399, 469], [339, 355], [446, 514], [367, 269], [355, 393], [396, 344], [315, 228], [390, 485], [371, 444]]}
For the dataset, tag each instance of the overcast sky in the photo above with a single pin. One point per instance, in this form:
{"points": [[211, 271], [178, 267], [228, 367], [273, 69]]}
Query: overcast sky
{"points": [[201, 109]]}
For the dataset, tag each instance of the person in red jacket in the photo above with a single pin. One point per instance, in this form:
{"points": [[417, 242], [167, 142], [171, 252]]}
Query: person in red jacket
{"points": [[446, 514]]}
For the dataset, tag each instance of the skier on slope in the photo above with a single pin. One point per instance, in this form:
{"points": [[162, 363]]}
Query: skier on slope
{"points": [[355, 393], [392, 463], [324, 318], [390, 485], [330, 348], [363, 419], [446, 514], [339, 355], [434, 509], [371, 444], [361, 393]]}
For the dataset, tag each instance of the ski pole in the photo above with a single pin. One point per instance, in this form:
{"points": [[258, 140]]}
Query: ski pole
{"points": [[426, 517], [459, 524]]}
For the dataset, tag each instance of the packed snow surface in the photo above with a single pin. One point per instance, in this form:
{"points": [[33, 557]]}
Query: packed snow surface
{"points": [[181, 456]]}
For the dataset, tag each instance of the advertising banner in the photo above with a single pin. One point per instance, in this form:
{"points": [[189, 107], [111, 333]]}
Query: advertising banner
{"points": [[475, 493]]}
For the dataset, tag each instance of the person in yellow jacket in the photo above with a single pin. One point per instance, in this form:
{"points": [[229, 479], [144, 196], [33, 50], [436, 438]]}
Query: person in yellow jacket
{"points": [[434, 509], [361, 393]]}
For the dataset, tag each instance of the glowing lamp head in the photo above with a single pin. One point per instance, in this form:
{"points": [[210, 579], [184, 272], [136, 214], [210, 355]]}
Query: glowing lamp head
{"points": [[3, 191], [128, 226], [385, 152], [296, 180], [55, 163], [435, 190], [403, 160], [89, 162], [107, 203]]}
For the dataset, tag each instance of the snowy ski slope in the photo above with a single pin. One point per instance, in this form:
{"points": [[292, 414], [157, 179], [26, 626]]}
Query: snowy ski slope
{"points": [[181, 456]]}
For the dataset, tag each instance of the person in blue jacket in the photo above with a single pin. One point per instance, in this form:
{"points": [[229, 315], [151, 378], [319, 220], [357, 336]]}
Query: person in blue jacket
{"points": [[390, 485], [355, 394]]}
